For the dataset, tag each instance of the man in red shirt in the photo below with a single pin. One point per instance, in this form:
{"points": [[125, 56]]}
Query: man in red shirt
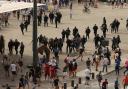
{"points": [[125, 81], [105, 84]]}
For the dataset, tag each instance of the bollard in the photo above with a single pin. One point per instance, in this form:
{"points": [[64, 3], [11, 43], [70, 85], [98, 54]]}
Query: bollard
{"points": [[72, 83], [79, 80], [65, 85], [93, 75]]}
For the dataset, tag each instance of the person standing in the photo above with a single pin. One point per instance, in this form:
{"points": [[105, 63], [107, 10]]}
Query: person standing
{"points": [[105, 64], [117, 65], [51, 16], [95, 28], [45, 20], [87, 32], [22, 28], [88, 63]]}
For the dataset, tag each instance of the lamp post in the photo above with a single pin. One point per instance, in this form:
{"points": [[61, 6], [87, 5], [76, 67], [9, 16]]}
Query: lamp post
{"points": [[35, 52]]}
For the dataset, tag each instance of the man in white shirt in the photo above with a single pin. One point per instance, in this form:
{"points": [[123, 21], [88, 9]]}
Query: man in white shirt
{"points": [[87, 76], [13, 69]]}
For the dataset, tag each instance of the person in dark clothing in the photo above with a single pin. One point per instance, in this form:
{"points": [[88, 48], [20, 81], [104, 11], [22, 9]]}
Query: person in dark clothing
{"points": [[56, 83], [2, 44], [18, 14], [51, 16], [68, 33], [68, 45], [114, 42], [29, 18], [96, 40], [87, 32], [16, 44], [10, 46], [45, 20], [95, 28], [39, 17], [22, 28], [83, 41], [63, 34], [75, 31], [116, 85], [104, 29], [104, 20], [26, 23], [21, 82], [21, 49], [118, 40], [112, 26], [56, 20], [59, 16], [88, 63], [105, 84], [7, 86], [117, 25]]}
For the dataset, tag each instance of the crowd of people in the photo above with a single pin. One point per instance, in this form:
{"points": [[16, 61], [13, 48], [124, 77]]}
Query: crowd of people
{"points": [[101, 56]]}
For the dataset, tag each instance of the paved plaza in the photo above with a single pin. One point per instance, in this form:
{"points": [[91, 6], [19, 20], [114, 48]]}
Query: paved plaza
{"points": [[81, 21]]}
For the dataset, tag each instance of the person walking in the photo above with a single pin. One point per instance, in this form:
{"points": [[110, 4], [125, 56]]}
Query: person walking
{"points": [[87, 32], [16, 45], [87, 76], [22, 28], [13, 69], [95, 28], [126, 66], [105, 84], [21, 49], [26, 23], [99, 78]]}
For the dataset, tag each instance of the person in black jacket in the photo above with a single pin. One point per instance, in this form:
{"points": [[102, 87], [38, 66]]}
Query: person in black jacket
{"points": [[87, 32], [10, 46], [51, 16], [26, 23], [21, 49], [45, 20], [22, 28], [16, 44], [95, 28]]}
